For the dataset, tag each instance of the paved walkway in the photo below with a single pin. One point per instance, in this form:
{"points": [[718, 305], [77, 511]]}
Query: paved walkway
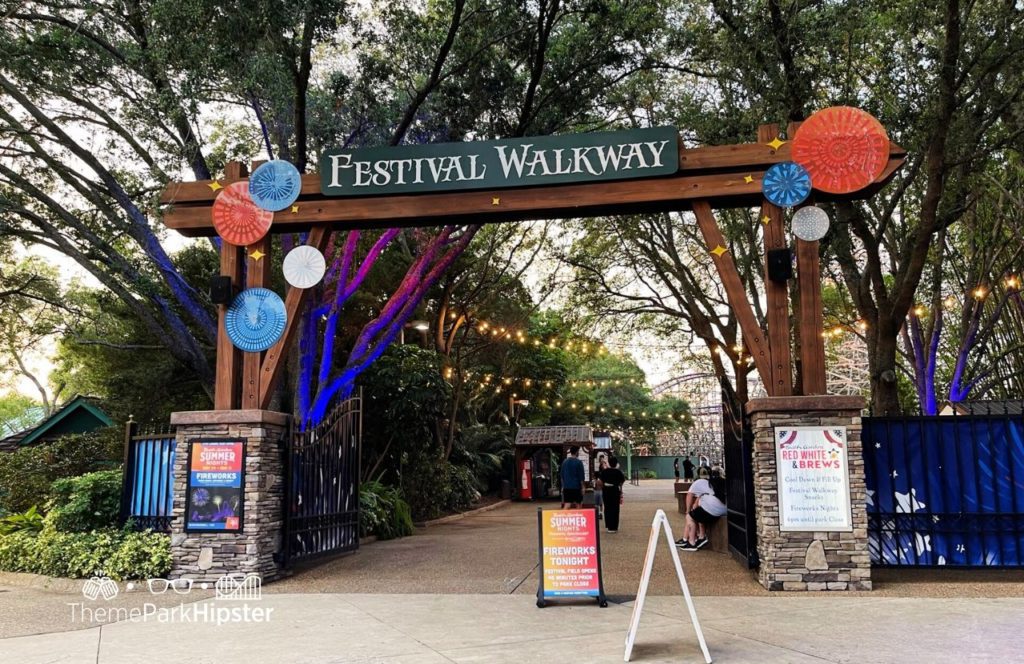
{"points": [[496, 552], [463, 592], [428, 629]]}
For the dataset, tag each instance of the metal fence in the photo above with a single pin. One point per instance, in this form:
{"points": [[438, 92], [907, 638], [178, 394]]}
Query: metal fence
{"points": [[946, 490], [147, 493], [322, 502]]}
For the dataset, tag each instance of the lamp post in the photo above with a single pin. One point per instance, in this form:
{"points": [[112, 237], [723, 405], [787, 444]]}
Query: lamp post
{"points": [[421, 326]]}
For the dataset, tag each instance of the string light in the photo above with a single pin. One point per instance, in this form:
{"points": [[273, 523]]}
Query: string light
{"points": [[497, 332], [1012, 282]]}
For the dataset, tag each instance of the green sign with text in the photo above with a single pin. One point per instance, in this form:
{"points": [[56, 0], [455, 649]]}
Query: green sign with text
{"points": [[519, 162]]}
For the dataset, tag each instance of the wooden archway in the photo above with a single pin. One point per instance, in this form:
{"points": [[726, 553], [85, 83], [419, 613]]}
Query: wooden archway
{"points": [[708, 179]]}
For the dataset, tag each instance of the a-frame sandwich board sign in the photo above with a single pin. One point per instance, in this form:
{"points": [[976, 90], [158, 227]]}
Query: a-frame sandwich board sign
{"points": [[569, 553], [661, 525]]}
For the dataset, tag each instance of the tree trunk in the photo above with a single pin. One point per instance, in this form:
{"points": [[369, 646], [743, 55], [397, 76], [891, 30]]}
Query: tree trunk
{"points": [[882, 350]]}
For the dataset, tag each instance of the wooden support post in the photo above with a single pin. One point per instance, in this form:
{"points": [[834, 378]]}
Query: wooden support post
{"points": [[737, 295], [229, 358], [777, 314], [812, 327], [812, 345], [257, 261], [273, 361]]}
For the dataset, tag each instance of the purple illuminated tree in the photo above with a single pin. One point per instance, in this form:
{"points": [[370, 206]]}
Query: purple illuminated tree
{"points": [[435, 254], [967, 341]]}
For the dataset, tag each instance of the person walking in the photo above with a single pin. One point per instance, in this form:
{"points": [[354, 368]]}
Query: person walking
{"points": [[572, 476], [612, 480], [675, 467], [602, 463]]}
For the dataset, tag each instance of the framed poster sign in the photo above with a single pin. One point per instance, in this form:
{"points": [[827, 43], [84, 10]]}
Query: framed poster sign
{"points": [[214, 498], [813, 473], [570, 555]]}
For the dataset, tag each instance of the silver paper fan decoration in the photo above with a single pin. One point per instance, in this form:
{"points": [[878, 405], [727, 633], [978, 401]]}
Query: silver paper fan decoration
{"points": [[810, 223], [304, 267]]}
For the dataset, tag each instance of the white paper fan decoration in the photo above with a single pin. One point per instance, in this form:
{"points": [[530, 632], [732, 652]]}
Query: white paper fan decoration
{"points": [[304, 266], [810, 223]]}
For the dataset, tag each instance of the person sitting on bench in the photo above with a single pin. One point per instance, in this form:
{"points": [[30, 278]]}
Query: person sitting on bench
{"points": [[703, 508]]}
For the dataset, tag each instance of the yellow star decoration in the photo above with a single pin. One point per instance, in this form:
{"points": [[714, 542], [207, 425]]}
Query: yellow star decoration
{"points": [[766, 220], [295, 208], [719, 250], [748, 179], [495, 201], [256, 255], [215, 185], [776, 143]]}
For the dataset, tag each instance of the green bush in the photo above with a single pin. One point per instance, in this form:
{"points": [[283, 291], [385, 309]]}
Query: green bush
{"points": [[26, 474], [487, 451], [30, 521], [120, 554], [87, 502], [435, 487], [648, 474], [383, 512]]}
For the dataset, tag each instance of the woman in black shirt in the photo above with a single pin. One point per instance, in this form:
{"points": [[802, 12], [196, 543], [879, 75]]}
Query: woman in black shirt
{"points": [[612, 480]]}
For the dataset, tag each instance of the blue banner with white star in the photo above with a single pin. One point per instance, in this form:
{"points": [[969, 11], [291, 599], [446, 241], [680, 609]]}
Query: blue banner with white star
{"points": [[946, 490]]}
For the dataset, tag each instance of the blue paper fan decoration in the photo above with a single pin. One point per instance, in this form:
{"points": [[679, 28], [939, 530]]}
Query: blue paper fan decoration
{"points": [[786, 184], [275, 185], [255, 320]]}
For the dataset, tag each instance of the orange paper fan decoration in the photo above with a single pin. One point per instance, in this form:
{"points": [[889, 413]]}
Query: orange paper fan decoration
{"points": [[843, 148], [237, 219]]}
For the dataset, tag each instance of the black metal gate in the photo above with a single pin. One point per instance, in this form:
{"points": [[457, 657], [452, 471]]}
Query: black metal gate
{"points": [[322, 471], [738, 446]]}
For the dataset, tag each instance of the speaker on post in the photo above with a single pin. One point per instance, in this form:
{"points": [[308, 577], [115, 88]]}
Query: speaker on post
{"points": [[220, 290], [780, 265]]}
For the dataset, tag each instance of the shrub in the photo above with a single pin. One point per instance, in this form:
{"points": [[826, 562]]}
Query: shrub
{"points": [[487, 451], [648, 474], [29, 521], [88, 502], [435, 487], [383, 512], [120, 554], [26, 474]]}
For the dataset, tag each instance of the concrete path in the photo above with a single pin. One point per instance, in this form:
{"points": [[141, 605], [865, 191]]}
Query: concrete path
{"points": [[463, 592], [492, 628], [496, 552]]}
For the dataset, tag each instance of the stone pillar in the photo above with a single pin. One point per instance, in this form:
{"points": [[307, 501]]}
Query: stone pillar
{"points": [[208, 556], [808, 560]]}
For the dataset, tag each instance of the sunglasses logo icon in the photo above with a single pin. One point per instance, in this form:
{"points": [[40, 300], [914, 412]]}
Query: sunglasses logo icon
{"points": [[160, 586]]}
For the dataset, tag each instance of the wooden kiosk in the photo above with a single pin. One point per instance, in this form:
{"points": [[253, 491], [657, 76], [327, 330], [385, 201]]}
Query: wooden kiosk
{"points": [[534, 449]]}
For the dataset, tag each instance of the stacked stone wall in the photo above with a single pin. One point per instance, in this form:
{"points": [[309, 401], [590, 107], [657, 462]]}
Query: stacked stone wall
{"points": [[805, 561], [208, 556]]}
